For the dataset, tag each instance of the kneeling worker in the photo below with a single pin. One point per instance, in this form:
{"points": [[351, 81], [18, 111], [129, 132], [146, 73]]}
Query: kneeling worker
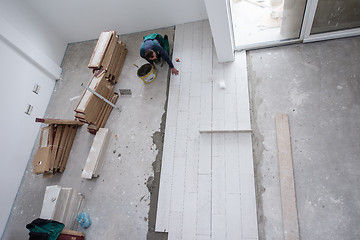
{"points": [[155, 47]]}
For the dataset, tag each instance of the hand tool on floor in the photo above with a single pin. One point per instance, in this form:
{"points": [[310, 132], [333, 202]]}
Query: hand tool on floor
{"points": [[101, 97], [125, 92]]}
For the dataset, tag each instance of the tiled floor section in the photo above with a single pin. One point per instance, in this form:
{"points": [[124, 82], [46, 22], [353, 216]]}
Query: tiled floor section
{"points": [[207, 186]]}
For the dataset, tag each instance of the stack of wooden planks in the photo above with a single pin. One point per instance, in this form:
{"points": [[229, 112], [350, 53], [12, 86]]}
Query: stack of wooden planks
{"points": [[56, 141], [93, 110], [62, 205], [96, 155], [67, 234], [107, 62], [109, 56]]}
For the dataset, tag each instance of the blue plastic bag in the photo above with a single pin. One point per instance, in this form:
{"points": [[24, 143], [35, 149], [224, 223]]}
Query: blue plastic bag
{"points": [[84, 220]]}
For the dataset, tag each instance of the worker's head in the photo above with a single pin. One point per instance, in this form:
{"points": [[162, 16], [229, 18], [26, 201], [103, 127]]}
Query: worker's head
{"points": [[150, 54]]}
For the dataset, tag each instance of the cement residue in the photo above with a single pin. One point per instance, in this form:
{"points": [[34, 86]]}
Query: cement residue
{"points": [[258, 149], [158, 141], [154, 182]]}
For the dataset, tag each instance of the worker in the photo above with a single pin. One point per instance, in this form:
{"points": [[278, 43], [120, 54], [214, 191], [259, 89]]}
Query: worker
{"points": [[155, 47]]}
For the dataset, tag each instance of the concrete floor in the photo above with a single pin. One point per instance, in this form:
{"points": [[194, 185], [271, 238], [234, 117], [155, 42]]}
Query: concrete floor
{"points": [[120, 201], [318, 86]]}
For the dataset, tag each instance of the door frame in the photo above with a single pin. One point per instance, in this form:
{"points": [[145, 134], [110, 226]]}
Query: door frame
{"points": [[305, 37], [309, 19]]}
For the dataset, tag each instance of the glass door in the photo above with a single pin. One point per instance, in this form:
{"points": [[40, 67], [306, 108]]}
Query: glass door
{"points": [[262, 23], [330, 19]]}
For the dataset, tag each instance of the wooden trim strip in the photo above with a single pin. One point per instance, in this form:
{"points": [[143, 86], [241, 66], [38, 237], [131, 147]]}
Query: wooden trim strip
{"points": [[287, 184]]}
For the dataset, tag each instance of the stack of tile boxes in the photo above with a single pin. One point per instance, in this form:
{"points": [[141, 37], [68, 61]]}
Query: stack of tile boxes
{"points": [[62, 205], [106, 62], [56, 141]]}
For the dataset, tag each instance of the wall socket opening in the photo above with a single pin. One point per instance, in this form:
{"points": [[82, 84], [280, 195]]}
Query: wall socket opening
{"points": [[29, 109], [36, 88]]}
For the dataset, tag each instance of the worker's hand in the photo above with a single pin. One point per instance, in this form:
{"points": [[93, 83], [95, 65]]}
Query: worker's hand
{"points": [[174, 71]]}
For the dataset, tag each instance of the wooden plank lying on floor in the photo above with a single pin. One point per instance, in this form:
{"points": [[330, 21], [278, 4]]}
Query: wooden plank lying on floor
{"points": [[58, 121], [95, 158], [286, 172]]}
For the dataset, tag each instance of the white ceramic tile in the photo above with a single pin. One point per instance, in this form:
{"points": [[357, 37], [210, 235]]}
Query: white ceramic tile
{"points": [[203, 214], [218, 230], [206, 106], [232, 163], [234, 217], [218, 186], [175, 226], [192, 162], [245, 153], [205, 154], [248, 206], [189, 218], [218, 141], [178, 184]]}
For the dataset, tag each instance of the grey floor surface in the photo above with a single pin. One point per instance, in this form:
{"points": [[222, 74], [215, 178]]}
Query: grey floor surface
{"points": [[318, 86], [118, 202]]}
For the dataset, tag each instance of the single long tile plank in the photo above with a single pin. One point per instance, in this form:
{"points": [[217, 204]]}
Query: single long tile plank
{"points": [[164, 199], [193, 143], [248, 207], [242, 91], [175, 228], [218, 95], [178, 184], [189, 218], [230, 103], [205, 154], [163, 209], [232, 163], [218, 145], [234, 217], [218, 227], [194, 117], [245, 153], [163, 212], [206, 106], [286, 172], [203, 237], [203, 213], [218, 186]]}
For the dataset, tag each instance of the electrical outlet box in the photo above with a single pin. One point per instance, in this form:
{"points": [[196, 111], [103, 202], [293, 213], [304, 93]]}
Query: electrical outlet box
{"points": [[29, 109], [36, 88]]}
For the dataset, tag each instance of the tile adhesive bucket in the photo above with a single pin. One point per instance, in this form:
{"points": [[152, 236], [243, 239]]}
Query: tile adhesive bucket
{"points": [[147, 73]]}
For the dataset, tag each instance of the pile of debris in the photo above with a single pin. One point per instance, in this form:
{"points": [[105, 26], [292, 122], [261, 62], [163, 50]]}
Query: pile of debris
{"points": [[55, 144]]}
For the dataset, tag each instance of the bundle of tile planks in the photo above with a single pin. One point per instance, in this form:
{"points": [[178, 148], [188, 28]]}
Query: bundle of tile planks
{"points": [[55, 144], [106, 62], [62, 205]]}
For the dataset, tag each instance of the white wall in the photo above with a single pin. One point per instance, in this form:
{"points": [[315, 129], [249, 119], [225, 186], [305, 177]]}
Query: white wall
{"points": [[221, 29], [30, 53], [85, 19], [19, 130], [34, 28]]}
